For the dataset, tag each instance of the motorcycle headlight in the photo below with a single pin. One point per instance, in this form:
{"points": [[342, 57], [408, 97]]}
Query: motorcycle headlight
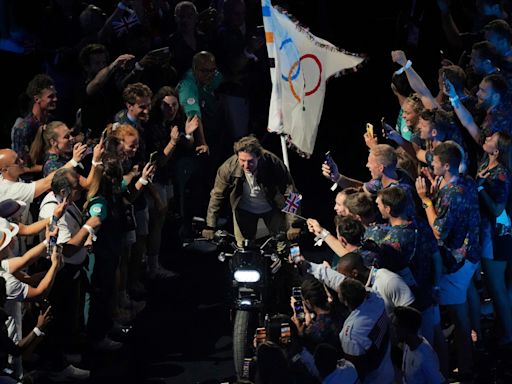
{"points": [[247, 276]]}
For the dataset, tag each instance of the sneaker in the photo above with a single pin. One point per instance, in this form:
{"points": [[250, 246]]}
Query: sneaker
{"points": [[69, 373], [107, 344]]}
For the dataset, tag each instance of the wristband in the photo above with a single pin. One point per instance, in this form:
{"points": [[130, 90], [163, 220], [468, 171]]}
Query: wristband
{"points": [[96, 163], [143, 181], [38, 332], [324, 233], [404, 68], [74, 163], [455, 101], [138, 67], [45, 242], [91, 231], [188, 136]]}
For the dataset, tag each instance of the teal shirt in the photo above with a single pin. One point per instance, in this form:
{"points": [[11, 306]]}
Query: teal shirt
{"points": [[194, 97], [402, 128]]}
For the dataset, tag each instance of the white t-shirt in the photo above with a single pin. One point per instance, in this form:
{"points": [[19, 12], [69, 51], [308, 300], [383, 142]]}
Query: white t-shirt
{"points": [[421, 366], [17, 190], [69, 224], [344, 373], [366, 325], [391, 288], [253, 197]]}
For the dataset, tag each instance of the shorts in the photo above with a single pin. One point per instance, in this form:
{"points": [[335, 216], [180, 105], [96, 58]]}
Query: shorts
{"points": [[454, 286], [142, 221]]}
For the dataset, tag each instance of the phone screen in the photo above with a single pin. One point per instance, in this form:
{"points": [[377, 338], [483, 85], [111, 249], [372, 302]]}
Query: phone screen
{"points": [[261, 335], [246, 368], [286, 333], [295, 253]]}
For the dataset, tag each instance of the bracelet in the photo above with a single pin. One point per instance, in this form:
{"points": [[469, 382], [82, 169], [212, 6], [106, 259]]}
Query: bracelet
{"points": [[138, 67], [324, 233], [91, 231], [96, 163], [455, 101], [404, 68], [74, 163], [38, 332], [143, 181], [426, 203]]}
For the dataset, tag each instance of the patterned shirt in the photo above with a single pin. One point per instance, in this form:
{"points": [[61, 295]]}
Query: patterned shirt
{"points": [[23, 134], [324, 329], [458, 221], [415, 244], [52, 163], [497, 186]]}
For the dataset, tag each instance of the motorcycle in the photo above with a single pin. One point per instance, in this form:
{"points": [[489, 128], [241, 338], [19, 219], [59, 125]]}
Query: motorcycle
{"points": [[262, 277]]}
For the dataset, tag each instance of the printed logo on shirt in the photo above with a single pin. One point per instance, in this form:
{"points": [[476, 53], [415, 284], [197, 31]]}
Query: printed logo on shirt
{"points": [[191, 101], [96, 210]]}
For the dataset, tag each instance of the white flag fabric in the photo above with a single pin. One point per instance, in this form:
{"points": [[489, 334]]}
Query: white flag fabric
{"points": [[300, 65]]}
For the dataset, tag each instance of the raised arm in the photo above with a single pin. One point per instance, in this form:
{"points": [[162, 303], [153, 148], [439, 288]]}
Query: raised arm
{"points": [[463, 114], [416, 82]]}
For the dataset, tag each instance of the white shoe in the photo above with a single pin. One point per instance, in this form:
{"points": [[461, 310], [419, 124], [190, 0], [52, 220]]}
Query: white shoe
{"points": [[69, 373]]}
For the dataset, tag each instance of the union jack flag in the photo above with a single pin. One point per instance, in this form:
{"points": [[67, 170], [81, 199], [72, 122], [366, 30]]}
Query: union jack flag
{"points": [[124, 24], [292, 203]]}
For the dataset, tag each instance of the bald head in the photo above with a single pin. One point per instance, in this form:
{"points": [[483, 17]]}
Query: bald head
{"points": [[11, 167], [351, 265], [7, 157]]}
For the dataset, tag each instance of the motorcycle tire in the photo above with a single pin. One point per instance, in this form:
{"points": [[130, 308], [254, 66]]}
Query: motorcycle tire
{"points": [[242, 339]]}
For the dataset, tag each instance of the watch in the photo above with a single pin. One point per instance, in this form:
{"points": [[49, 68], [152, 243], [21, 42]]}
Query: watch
{"points": [[426, 203]]}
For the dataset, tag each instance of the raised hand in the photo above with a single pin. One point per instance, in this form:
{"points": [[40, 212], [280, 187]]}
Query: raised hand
{"points": [[78, 151], [191, 125], [399, 57]]}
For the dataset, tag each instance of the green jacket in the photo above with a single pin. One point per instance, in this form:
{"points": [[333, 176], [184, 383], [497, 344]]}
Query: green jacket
{"points": [[273, 176]]}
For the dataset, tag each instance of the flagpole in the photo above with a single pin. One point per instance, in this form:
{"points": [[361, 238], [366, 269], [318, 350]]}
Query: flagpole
{"points": [[284, 148]]}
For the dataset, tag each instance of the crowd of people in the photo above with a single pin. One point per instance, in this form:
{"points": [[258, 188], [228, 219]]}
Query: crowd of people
{"points": [[93, 173]]}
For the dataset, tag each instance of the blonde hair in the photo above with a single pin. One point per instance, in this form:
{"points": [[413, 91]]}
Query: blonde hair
{"points": [[41, 142], [385, 155]]}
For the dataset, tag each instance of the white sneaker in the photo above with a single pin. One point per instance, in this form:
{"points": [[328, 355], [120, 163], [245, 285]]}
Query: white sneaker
{"points": [[69, 373]]}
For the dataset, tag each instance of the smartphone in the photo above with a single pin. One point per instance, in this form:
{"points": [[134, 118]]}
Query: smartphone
{"points": [[246, 368], [298, 306], [369, 129], [152, 157], [261, 335], [286, 333], [295, 254], [330, 161], [52, 242]]}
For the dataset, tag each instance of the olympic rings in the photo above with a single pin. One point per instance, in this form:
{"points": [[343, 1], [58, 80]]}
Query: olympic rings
{"points": [[283, 44], [296, 64]]}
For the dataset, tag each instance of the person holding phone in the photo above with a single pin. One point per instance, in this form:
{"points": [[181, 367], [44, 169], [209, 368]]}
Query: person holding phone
{"points": [[66, 296], [321, 327]]}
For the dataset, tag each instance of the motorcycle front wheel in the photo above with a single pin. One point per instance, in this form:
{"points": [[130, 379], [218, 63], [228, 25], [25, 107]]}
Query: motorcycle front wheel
{"points": [[243, 334]]}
